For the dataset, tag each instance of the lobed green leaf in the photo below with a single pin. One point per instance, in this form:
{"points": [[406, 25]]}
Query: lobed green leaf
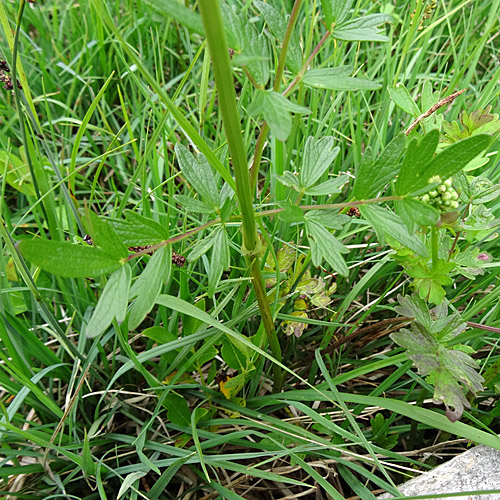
{"points": [[418, 155], [386, 222], [112, 303], [402, 98], [362, 29], [220, 259], [329, 187], [138, 230], [199, 174], [324, 246], [336, 79], [374, 175], [148, 286], [65, 259], [276, 111], [317, 158]]}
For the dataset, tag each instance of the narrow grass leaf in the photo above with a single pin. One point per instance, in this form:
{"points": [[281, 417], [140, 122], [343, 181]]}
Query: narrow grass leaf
{"points": [[335, 79], [88, 464], [127, 483], [174, 110], [328, 487], [189, 309], [162, 336], [40, 438], [253, 471], [9, 38], [163, 481], [65, 259], [83, 128], [224, 492], [20, 397], [149, 284], [14, 348], [428, 417], [112, 302], [371, 476], [196, 416], [356, 485], [352, 421]]}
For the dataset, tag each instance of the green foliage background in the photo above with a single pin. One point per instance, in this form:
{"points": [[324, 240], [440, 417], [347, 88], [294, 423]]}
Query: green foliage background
{"points": [[141, 411]]}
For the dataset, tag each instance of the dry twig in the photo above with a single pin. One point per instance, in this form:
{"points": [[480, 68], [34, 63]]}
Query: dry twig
{"points": [[433, 109]]}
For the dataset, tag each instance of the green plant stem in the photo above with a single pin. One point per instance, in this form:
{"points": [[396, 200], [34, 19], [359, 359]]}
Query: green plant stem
{"points": [[264, 213], [219, 51], [257, 155], [261, 140], [435, 246], [305, 67], [284, 47]]}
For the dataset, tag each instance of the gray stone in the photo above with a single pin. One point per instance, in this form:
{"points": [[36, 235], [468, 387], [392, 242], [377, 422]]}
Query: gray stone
{"points": [[477, 469]]}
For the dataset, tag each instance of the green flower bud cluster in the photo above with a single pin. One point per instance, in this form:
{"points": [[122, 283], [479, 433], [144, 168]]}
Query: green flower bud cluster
{"points": [[444, 196]]}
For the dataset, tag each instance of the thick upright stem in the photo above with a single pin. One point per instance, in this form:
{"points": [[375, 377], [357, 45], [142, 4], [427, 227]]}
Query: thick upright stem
{"points": [[219, 51]]}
